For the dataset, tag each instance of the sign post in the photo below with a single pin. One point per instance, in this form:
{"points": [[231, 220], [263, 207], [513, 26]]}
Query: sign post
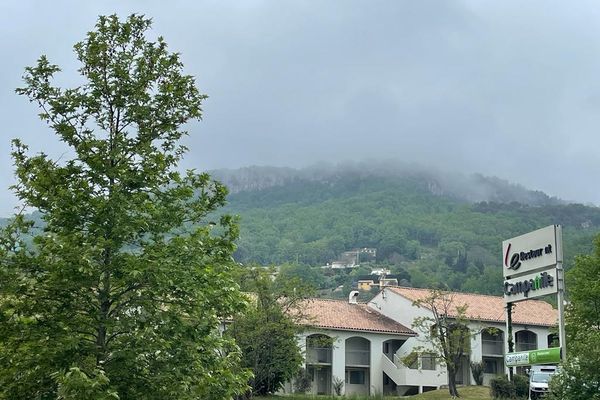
{"points": [[532, 265]]}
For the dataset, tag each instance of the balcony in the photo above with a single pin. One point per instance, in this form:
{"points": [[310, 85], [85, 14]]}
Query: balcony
{"points": [[318, 355], [525, 346], [492, 347], [360, 358]]}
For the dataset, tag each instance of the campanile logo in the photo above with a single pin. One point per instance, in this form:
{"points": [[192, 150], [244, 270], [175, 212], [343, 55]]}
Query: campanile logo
{"points": [[515, 263]]}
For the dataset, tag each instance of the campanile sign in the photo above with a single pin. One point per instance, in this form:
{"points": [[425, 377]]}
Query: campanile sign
{"points": [[532, 267], [529, 264]]}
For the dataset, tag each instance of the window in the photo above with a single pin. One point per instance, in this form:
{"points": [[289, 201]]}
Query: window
{"points": [[386, 347], [428, 361], [490, 366], [356, 377], [525, 341]]}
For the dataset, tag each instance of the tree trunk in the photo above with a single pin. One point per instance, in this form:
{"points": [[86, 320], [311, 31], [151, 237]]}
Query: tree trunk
{"points": [[452, 382]]}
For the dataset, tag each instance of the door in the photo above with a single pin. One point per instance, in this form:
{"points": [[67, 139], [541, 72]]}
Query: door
{"points": [[323, 381]]}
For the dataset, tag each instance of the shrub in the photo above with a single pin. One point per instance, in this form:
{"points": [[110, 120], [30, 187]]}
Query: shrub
{"points": [[502, 388], [477, 372], [302, 383], [521, 384]]}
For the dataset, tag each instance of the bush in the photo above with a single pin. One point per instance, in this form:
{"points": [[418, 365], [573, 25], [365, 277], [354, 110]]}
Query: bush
{"points": [[302, 383], [521, 384], [502, 388], [477, 372]]}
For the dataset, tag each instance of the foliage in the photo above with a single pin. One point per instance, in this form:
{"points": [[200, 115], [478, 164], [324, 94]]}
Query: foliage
{"points": [[477, 372], [521, 384], [431, 236], [75, 385], [302, 382], [434, 238], [123, 291], [445, 330], [580, 377], [266, 332], [309, 276], [502, 388], [574, 382], [467, 393]]}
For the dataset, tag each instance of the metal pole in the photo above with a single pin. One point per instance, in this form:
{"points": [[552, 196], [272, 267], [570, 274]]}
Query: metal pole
{"points": [[562, 335], [560, 296]]}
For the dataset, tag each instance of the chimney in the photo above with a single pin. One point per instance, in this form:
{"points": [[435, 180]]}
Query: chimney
{"points": [[352, 298]]}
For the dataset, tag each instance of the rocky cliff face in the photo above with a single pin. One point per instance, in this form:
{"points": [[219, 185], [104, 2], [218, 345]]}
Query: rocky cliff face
{"points": [[470, 188]]}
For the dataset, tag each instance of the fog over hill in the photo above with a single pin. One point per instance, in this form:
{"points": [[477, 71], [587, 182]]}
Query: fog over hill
{"points": [[471, 188]]}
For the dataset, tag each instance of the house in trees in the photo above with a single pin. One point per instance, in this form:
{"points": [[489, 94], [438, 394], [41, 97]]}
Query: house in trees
{"points": [[364, 345]]}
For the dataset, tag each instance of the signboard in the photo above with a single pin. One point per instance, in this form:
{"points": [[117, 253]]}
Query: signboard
{"points": [[530, 286], [543, 356], [532, 267], [532, 251]]}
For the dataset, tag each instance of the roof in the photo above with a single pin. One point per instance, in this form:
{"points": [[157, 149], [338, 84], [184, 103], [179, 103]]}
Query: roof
{"points": [[491, 308], [341, 315]]}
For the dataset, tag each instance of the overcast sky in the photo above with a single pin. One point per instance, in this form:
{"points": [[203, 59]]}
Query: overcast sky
{"points": [[504, 88]]}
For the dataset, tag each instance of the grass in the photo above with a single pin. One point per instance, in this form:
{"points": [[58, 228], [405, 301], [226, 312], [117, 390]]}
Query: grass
{"points": [[466, 393]]}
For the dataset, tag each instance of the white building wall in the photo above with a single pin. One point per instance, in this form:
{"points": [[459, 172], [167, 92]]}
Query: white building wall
{"points": [[338, 365], [402, 310], [376, 378]]}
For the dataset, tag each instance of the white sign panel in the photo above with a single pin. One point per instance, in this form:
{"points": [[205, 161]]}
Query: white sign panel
{"points": [[515, 359], [530, 286], [532, 251]]}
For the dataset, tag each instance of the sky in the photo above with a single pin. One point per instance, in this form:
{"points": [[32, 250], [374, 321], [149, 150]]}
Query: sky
{"points": [[503, 88]]}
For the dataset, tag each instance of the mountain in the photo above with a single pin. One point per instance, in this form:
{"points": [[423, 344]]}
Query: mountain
{"points": [[470, 188], [431, 226]]}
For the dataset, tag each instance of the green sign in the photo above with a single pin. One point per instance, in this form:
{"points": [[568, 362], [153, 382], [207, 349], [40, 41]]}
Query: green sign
{"points": [[543, 356]]}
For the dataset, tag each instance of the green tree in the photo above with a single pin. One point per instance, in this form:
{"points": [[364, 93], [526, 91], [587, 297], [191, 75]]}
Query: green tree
{"points": [[580, 375], [266, 331], [123, 293], [446, 332], [310, 276]]}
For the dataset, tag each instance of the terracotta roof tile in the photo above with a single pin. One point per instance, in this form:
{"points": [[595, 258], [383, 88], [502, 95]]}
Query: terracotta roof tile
{"points": [[341, 315], [491, 308]]}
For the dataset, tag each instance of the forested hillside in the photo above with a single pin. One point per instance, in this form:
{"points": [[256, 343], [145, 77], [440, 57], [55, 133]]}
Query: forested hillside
{"points": [[426, 227]]}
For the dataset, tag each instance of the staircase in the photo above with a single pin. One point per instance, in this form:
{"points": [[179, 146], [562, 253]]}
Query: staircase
{"points": [[404, 376]]}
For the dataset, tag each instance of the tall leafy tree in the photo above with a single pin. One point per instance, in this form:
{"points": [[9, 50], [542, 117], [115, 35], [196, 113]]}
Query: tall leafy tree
{"points": [[580, 375], [122, 294], [266, 331]]}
